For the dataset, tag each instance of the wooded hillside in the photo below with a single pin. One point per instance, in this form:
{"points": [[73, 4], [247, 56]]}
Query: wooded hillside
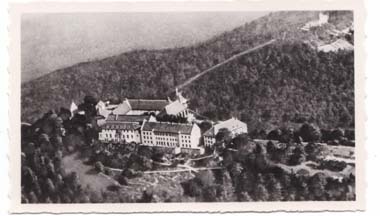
{"points": [[285, 82]]}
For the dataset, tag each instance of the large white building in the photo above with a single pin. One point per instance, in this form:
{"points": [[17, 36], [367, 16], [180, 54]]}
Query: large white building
{"points": [[146, 130], [123, 128], [234, 125], [173, 135]]}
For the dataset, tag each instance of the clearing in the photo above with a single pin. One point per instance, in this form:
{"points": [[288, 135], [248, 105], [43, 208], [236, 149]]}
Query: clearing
{"points": [[87, 175]]}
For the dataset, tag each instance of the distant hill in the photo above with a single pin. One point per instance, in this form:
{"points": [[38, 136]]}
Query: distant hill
{"points": [[80, 37], [286, 82]]}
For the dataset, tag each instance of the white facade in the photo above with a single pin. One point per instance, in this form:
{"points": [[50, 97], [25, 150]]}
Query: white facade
{"points": [[209, 141], [148, 138], [142, 112], [119, 136], [123, 128], [195, 136], [171, 135]]}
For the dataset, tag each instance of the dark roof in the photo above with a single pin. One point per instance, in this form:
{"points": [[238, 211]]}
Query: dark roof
{"points": [[120, 126], [143, 104], [127, 118], [168, 127]]}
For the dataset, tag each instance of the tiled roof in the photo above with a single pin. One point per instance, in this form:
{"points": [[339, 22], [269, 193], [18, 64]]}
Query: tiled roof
{"points": [[143, 104], [127, 118], [121, 126], [174, 108], [167, 127]]}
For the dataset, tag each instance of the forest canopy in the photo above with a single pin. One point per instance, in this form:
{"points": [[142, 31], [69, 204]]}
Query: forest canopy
{"points": [[286, 82]]}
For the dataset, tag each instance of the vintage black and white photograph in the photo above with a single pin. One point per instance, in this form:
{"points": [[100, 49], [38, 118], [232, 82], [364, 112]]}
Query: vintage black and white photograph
{"points": [[187, 107]]}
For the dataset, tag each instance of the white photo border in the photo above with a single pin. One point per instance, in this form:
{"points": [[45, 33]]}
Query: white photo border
{"points": [[16, 10]]}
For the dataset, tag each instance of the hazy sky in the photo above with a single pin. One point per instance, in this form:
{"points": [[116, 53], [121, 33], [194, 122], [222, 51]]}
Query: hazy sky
{"points": [[53, 41]]}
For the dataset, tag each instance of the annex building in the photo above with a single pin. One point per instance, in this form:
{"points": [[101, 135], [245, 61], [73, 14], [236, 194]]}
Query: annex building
{"points": [[233, 124]]}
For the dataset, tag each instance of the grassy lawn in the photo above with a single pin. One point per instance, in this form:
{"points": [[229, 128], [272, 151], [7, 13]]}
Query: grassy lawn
{"points": [[338, 153], [345, 153], [165, 184], [159, 182], [344, 173], [87, 176], [169, 182]]}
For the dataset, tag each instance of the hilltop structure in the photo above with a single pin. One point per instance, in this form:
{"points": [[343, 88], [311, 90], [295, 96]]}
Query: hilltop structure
{"points": [[133, 121], [233, 124]]}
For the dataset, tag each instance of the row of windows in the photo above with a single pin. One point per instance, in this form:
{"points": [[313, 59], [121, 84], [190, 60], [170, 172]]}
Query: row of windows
{"points": [[122, 136], [148, 142], [165, 143], [171, 144], [166, 138], [209, 141], [164, 134], [147, 137], [118, 127], [108, 135], [112, 132]]}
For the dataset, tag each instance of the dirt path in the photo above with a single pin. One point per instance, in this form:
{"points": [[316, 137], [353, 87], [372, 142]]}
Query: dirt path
{"points": [[224, 62]]}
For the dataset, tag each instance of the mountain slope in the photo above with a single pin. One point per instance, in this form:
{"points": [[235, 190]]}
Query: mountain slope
{"points": [[270, 86]]}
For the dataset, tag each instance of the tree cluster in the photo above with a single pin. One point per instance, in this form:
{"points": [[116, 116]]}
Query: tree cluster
{"points": [[43, 146], [308, 132], [43, 178], [256, 176]]}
